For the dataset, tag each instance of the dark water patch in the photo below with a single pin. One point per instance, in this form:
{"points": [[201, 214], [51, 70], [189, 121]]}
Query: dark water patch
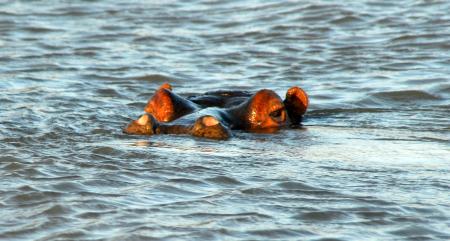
{"points": [[225, 63], [41, 30], [337, 111], [95, 214], [297, 186], [30, 39], [57, 178], [418, 81], [90, 49], [409, 219], [187, 181], [148, 39], [5, 59], [107, 92], [364, 170], [101, 194], [171, 190], [140, 105], [211, 215], [147, 78], [316, 18], [72, 11], [68, 186], [107, 37], [100, 131], [278, 233], [196, 169], [66, 235], [346, 20], [417, 232], [442, 185], [418, 37], [30, 231], [107, 151], [432, 45], [114, 28], [52, 47], [257, 191], [6, 25], [405, 96], [154, 78], [85, 53], [403, 66], [371, 215], [45, 67], [33, 198], [100, 77], [26, 188], [224, 180], [375, 201], [434, 139], [13, 165], [328, 239], [9, 159], [229, 24], [110, 68], [322, 216], [56, 210]]}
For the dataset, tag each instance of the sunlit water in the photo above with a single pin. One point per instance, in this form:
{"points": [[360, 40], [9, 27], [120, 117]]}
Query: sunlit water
{"points": [[372, 161]]}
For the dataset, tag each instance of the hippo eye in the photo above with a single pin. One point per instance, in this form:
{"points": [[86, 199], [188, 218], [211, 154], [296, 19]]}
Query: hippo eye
{"points": [[275, 114], [278, 115]]}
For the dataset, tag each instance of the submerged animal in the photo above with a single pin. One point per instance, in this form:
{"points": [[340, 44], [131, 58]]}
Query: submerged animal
{"points": [[214, 114]]}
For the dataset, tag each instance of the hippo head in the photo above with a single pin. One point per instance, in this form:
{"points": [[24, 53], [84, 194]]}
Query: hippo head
{"points": [[264, 110]]}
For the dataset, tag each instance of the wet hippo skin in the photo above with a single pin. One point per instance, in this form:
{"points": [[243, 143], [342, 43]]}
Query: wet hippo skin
{"points": [[214, 114]]}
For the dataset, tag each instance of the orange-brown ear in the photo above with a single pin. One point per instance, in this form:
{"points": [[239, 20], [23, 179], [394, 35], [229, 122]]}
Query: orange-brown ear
{"points": [[167, 106], [296, 103], [304, 97], [299, 96], [166, 86], [161, 106]]}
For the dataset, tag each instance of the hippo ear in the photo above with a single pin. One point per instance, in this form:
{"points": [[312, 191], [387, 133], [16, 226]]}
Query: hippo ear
{"points": [[142, 120], [296, 103], [166, 86], [297, 96]]}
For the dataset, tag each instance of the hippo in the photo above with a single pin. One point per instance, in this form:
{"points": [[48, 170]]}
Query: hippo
{"points": [[214, 114]]}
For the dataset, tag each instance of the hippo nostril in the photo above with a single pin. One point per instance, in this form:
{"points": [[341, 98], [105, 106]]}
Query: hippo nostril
{"points": [[210, 121], [142, 120]]}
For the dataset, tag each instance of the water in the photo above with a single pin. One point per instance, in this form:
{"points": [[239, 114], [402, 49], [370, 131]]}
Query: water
{"points": [[371, 163]]}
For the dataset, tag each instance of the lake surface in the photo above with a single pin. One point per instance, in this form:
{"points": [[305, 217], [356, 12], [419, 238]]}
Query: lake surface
{"points": [[372, 161]]}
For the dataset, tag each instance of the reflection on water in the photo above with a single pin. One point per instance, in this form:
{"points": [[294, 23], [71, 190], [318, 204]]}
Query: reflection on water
{"points": [[372, 159]]}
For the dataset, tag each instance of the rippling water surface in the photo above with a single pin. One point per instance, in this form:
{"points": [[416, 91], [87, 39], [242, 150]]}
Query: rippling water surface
{"points": [[372, 161]]}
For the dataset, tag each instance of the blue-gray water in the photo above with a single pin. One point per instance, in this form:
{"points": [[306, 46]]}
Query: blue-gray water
{"points": [[371, 163]]}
